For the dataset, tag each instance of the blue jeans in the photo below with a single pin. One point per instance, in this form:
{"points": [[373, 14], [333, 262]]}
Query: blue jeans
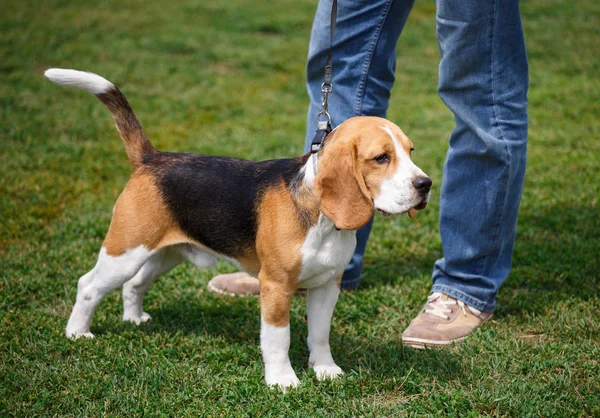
{"points": [[483, 79]]}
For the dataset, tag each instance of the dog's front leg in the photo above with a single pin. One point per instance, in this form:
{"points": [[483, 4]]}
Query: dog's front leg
{"points": [[275, 299], [320, 303]]}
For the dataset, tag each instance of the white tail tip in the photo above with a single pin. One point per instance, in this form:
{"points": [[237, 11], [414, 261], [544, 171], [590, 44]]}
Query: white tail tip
{"points": [[89, 82]]}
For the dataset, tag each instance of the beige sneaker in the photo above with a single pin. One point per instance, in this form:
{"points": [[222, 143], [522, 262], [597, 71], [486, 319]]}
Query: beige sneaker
{"points": [[443, 321], [234, 284]]}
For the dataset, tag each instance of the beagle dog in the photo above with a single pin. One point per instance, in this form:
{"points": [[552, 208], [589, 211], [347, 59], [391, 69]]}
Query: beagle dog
{"points": [[292, 222]]}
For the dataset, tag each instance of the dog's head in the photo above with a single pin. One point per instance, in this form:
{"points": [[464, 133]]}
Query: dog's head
{"points": [[365, 165]]}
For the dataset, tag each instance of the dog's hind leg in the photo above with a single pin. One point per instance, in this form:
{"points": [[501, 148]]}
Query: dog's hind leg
{"points": [[135, 289], [109, 273], [141, 227]]}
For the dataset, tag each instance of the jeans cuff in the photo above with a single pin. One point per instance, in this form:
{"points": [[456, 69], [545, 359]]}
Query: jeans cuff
{"points": [[463, 297], [349, 283]]}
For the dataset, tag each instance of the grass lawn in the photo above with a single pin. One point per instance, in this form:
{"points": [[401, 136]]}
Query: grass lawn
{"points": [[228, 78]]}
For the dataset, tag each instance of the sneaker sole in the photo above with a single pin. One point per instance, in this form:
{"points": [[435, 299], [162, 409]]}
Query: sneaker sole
{"points": [[222, 292], [420, 343], [214, 289]]}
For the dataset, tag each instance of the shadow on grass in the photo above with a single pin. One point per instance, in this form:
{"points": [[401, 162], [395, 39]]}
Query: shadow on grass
{"points": [[386, 361], [384, 271], [237, 321]]}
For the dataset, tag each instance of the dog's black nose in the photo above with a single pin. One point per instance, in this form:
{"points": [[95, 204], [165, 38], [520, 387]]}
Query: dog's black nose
{"points": [[422, 184]]}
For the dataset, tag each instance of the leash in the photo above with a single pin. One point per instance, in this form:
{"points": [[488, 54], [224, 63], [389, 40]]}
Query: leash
{"points": [[323, 118]]}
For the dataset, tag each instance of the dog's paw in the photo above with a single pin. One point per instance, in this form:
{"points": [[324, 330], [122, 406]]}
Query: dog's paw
{"points": [[73, 335], [144, 317], [284, 382], [328, 372]]}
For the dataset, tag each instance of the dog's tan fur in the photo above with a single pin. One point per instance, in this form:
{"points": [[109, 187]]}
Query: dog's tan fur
{"points": [[278, 244]]}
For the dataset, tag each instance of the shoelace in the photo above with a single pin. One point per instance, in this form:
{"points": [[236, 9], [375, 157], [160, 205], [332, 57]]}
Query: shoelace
{"points": [[439, 307]]}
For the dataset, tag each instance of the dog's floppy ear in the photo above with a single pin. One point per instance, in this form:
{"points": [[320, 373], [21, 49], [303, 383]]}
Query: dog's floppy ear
{"points": [[340, 187]]}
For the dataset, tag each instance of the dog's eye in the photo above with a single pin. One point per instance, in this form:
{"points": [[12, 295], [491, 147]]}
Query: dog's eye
{"points": [[382, 159]]}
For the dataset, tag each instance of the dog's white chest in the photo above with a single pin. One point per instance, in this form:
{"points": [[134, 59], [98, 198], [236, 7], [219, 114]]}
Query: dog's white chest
{"points": [[325, 253]]}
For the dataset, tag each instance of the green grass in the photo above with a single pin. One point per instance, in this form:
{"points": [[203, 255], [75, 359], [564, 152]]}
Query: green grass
{"points": [[228, 78]]}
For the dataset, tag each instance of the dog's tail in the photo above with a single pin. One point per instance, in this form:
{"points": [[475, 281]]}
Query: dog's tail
{"points": [[136, 142]]}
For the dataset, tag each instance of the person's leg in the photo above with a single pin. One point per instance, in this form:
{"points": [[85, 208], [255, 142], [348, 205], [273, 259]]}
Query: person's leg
{"points": [[364, 61], [483, 79]]}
